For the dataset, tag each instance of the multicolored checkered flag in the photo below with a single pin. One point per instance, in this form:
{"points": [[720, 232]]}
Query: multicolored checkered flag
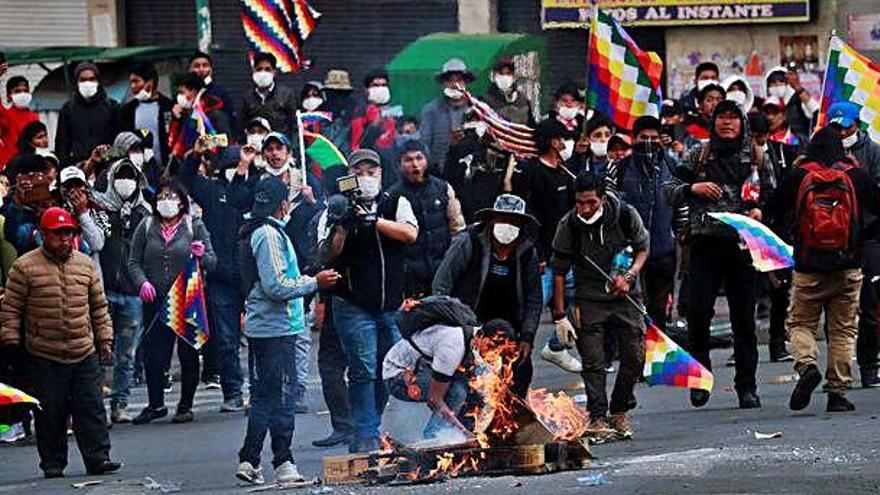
{"points": [[184, 309], [668, 364], [279, 27], [852, 77], [624, 81]]}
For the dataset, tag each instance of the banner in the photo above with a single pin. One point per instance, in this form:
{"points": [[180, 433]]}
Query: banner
{"points": [[575, 13]]}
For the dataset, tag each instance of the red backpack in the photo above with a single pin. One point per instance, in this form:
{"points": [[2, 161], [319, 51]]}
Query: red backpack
{"points": [[827, 208]]}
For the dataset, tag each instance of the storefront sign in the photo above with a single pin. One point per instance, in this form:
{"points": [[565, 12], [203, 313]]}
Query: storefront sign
{"points": [[576, 13]]}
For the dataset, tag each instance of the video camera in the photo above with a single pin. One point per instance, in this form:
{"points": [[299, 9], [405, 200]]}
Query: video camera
{"points": [[342, 208]]}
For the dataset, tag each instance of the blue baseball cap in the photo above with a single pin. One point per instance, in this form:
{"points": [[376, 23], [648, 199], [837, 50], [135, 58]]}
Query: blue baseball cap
{"points": [[268, 196], [277, 136], [843, 113]]}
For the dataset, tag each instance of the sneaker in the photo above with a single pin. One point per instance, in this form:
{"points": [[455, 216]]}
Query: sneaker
{"points": [[598, 430], [149, 414], [749, 400], [119, 415], [562, 359], [334, 439], [800, 396], [15, 433], [287, 473], [731, 361], [620, 424], [838, 403], [235, 404], [699, 397], [609, 368], [870, 378], [247, 472], [104, 467], [53, 473], [183, 415], [212, 382]]}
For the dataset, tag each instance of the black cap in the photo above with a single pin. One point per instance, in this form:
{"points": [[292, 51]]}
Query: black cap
{"points": [[646, 122], [269, 195]]}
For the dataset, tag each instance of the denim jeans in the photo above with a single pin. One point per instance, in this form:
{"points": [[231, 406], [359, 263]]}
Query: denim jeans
{"points": [[366, 338], [413, 385], [224, 310], [302, 348], [272, 402], [127, 315], [547, 286]]}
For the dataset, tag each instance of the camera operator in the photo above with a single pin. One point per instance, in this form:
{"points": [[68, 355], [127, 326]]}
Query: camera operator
{"points": [[363, 234]]}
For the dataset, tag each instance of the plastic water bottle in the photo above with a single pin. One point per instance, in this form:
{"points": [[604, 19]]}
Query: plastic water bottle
{"points": [[621, 263], [751, 188]]}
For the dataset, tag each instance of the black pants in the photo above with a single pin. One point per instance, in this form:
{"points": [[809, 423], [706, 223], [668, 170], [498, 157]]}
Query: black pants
{"points": [[658, 279], [332, 365], [867, 342], [522, 377], [625, 323], [158, 347], [778, 289], [66, 390], [717, 262]]}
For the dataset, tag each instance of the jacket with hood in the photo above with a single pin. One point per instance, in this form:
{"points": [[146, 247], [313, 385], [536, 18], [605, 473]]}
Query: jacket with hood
{"points": [[750, 95], [12, 121], [619, 226], [463, 271], [84, 124], [728, 164], [798, 115], [278, 107], [124, 217]]}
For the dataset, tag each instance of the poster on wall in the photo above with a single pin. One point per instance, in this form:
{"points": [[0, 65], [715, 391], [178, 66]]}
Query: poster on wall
{"points": [[800, 52], [574, 14], [863, 31]]}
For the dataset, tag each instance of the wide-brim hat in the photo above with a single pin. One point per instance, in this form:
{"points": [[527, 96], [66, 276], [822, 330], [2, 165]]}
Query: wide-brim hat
{"points": [[455, 66], [510, 206], [338, 79]]}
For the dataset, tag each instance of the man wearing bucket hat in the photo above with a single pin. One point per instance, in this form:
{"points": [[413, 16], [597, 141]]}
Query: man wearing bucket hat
{"points": [[442, 118], [493, 268]]}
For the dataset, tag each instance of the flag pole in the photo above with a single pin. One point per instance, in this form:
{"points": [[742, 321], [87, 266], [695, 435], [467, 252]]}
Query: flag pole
{"points": [[822, 107], [594, 13], [302, 148], [629, 298]]}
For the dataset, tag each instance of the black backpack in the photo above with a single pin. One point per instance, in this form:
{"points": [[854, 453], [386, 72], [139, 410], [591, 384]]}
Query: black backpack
{"points": [[437, 310], [250, 275]]}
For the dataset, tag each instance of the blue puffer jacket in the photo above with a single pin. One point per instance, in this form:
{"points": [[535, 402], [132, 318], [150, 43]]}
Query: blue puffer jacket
{"points": [[274, 306]]}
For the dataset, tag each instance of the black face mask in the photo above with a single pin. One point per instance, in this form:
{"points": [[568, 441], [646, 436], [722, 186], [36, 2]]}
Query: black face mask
{"points": [[649, 151]]}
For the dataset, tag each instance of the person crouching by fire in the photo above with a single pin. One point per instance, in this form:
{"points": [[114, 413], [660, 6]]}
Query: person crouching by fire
{"points": [[436, 359]]}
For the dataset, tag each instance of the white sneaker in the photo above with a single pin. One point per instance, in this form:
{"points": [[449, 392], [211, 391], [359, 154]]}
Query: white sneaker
{"points": [[287, 473], [562, 359], [247, 472]]}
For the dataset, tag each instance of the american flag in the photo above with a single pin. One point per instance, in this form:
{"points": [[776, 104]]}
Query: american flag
{"points": [[515, 138]]}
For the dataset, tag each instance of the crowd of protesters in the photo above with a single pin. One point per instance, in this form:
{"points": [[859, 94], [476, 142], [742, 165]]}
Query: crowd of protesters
{"points": [[99, 224]]}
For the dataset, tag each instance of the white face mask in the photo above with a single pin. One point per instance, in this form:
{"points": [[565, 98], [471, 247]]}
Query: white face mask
{"points": [[702, 83], [21, 100], [599, 148], [312, 103], [453, 94], [505, 233], [263, 79], [778, 91], [42, 151], [851, 140], [504, 82], [738, 97], [229, 173], [143, 95], [370, 186], [593, 219], [125, 187], [379, 95], [88, 89], [148, 154], [566, 153], [208, 80], [278, 171], [568, 113], [256, 140], [183, 101], [137, 159], [168, 208]]}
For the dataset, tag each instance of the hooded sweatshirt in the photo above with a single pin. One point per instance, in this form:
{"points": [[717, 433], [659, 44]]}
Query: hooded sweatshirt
{"points": [[798, 115], [124, 216], [619, 226], [12, 121], [750, 95]]}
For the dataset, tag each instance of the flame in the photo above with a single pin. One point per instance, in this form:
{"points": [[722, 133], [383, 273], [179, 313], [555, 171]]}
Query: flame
{"points": [[495, 356], [448, 467], [559, 413], [385, 443]]}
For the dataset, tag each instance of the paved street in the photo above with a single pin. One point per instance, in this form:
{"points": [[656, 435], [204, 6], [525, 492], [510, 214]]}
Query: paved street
{"points": [[677, 449]]}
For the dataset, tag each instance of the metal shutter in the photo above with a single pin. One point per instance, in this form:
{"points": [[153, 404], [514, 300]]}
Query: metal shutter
{"points": [[160, 22], [43, 23]]}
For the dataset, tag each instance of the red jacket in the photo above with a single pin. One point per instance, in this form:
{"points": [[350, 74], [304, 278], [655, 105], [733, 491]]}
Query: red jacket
{"points": [[12, 121]]}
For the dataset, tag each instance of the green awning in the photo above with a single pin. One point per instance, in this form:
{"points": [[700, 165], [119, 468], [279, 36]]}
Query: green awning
{"points": [[413, 70], [62, 54]]}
